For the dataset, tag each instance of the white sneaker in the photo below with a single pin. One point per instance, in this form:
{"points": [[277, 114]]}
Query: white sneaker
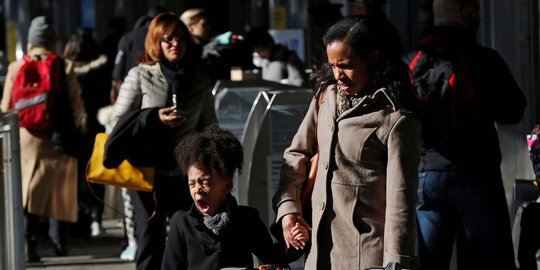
{"points": [[97, 229], [129, 253]]}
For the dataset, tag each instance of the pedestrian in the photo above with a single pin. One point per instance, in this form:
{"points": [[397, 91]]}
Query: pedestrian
{"points": [[461, 195], [198, 25], [129, 51], [90, 68], [167, 80], [48, 171], [209, 235], [368, 143]]}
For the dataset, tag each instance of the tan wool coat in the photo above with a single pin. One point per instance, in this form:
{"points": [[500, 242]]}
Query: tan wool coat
{"points": [[364, 196], [49, 176]]}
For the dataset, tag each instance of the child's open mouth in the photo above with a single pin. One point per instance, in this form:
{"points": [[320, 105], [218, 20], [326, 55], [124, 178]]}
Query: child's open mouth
{"points": [[203, 206]]}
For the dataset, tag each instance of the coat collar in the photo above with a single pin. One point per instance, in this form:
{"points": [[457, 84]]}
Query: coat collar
{"points": [[378, 97]]}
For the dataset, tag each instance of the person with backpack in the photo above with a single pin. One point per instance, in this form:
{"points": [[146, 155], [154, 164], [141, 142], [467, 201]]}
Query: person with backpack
{"points": [[44, 90], [463, 91]]}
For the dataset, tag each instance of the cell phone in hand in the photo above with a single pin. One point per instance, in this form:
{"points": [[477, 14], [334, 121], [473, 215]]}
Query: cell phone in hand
{"points": [[174, 102]]}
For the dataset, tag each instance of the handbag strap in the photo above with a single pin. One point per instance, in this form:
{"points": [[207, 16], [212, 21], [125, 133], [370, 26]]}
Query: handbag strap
{"points": [[116, 211]]}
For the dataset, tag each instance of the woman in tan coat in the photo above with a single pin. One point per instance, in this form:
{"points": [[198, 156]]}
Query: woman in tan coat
{"points": [[49, 175], [364, 195]]}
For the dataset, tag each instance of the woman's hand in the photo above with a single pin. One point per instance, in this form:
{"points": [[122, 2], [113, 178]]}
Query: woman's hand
{"points": [[294, 222], [171, 116]]}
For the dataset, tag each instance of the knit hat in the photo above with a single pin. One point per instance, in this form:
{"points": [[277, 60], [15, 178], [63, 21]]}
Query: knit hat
{"points": [[41, 31]]}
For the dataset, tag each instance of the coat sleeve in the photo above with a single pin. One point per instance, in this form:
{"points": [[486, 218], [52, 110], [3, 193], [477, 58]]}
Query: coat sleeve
{"points": [[119, 71], [74, 95], [174, 256], [8, 85], [262, 244], [401, 192], [129, 95], [294, 168], [500, 95]]}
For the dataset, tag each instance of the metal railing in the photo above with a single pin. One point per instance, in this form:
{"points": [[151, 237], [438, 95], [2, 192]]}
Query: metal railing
{"points": [[11, 210]]}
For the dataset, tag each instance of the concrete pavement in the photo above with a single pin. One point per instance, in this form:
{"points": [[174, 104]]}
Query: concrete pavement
{"points": [[101, 252]]}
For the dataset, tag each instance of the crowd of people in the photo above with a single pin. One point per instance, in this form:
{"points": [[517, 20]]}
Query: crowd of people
{"points": [[386, 190]]}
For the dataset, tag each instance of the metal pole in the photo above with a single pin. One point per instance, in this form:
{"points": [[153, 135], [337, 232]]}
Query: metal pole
{"points": [[13, 253]]}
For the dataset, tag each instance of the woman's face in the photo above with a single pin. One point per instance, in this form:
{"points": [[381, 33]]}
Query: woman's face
{"points": [[173, 47], [350, 70], [208, 190]]}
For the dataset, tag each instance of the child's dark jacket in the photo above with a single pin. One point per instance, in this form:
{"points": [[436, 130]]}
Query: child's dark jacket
{"points": [[191, 245]]}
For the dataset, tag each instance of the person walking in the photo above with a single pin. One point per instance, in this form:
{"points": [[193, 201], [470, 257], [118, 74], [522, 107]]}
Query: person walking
{"points": [[48, 172], [368, 142], [461, 194], [90, 68], [169, 84]]}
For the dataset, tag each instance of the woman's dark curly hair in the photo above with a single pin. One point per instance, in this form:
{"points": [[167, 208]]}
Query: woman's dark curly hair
{"points": [[214, 149], [365, 35]]}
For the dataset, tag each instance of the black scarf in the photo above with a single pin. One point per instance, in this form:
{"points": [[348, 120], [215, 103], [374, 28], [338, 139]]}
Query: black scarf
{"points": [[177, 79]]}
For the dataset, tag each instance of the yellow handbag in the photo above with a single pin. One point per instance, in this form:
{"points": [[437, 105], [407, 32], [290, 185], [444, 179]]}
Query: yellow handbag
{"points": [[125, 175]]}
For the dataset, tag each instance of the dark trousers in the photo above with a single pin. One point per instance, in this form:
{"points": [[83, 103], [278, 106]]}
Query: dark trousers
{"points": [[468, 207], [151, 212], [97, 202], [58, 231]]}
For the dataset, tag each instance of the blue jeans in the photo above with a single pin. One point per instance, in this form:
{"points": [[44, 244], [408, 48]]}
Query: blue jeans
{"points": [[468, 207]]}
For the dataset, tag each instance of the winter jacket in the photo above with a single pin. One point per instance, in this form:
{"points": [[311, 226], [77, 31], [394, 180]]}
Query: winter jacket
{"points": [[130, 48], [145, 86], [364, 196], [191, 245], [49, 175], [496, 98]]}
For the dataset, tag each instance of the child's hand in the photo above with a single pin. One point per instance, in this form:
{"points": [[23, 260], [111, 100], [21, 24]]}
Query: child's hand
{"points": [[300, 233], [288, 222]]}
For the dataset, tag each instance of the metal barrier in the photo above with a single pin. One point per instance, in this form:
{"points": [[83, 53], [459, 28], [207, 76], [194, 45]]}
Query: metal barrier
{"points": [[11, 210]]}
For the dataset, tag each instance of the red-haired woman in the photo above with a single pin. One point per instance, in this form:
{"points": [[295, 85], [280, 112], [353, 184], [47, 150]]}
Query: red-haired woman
{"points": [[167, 80]]}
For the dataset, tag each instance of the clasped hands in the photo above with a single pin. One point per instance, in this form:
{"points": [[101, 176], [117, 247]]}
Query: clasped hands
{"points": [[295, 230]]}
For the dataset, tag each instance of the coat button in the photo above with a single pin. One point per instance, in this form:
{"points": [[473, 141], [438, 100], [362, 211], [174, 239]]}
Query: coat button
{"points": [[323, 205], [326, 165]]}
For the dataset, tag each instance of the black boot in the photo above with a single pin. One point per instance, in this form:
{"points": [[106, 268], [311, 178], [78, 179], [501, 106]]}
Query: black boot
{"points": [[31, 250], [58, 234], [60, 250]]}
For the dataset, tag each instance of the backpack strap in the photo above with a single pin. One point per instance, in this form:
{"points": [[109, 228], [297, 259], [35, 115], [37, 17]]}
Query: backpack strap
{"points": [[413, 63]]}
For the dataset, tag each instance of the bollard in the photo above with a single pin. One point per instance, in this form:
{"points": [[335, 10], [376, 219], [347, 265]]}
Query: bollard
{"points": [[12, 255]]}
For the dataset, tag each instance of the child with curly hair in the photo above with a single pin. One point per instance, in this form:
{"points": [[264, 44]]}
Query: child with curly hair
{"points": [[217, 232]]}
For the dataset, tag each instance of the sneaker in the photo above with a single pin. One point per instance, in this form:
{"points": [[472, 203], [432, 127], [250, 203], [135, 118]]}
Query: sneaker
{"points": [[129, 253], [96, 229]]}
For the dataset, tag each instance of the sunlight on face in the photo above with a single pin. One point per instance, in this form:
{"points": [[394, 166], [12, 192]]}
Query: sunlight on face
{"points": [[173, 48], [208, 190], [350, 70]]}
